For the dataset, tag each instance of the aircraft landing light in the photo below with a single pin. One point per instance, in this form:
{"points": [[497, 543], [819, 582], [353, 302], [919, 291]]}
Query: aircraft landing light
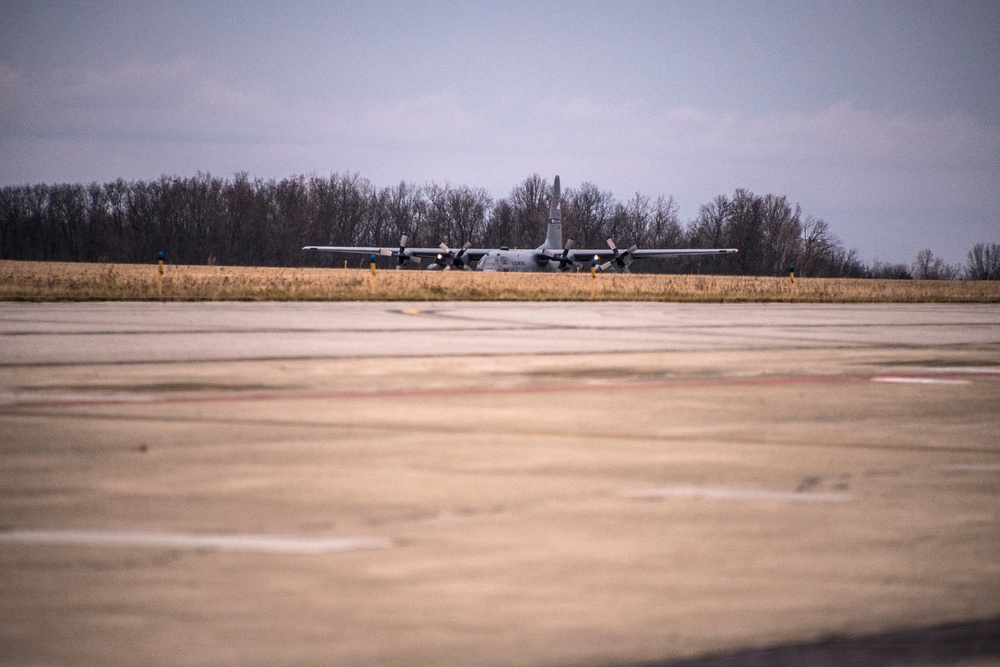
{"points": [[729, 493], [223, 541]]}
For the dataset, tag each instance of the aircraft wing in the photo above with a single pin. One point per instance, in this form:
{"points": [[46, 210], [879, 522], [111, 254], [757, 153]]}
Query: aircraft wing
{"points": [[586, 254], [653, 253], [619, 259], [472, 254], [373, 250]]}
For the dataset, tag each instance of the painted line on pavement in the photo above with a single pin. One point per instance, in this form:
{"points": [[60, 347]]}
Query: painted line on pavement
{"points": [[732, 493], [974, 467], [434, 392], [906, 379], [223, 541], [10, 401]]}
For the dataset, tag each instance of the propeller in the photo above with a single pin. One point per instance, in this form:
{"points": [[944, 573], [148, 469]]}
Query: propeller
{"points": [[621, 259], [451, 259], [565, 259], [403, 256]]}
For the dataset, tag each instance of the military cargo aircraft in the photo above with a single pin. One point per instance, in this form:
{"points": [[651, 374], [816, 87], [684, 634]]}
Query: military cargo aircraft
{"points": [[552, 255]]}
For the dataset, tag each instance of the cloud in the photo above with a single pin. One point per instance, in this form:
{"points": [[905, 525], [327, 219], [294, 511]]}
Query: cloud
{"points": [[858, 153], [834, 153], [139, 120], [837, 152], [182, 100]]}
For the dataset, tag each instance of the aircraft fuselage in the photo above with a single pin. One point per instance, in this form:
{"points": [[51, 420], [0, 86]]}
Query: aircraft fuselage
{"points": [[504, 260]]}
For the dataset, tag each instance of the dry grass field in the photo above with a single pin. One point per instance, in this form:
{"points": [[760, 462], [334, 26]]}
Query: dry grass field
{"points": [[58, 281]]}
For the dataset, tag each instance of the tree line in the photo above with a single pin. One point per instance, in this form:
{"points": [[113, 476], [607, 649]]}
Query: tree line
{"points": [[243, 221]]}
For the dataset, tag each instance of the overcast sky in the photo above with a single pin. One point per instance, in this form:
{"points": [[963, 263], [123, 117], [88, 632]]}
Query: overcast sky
{"points": [[883, 118]]}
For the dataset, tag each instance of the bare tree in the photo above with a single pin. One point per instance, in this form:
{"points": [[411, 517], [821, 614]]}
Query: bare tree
{"points": [[405, 206], [499, 228], [708, 231], [708, 228], [587, 215], [743, 230], [843, 263], [983, 262], [818, 246], [467, 209], [781, 233], [256, 222], [929, 267], [435, 225], [638, 221], [666, 231], [530, 204], [888, 271]]}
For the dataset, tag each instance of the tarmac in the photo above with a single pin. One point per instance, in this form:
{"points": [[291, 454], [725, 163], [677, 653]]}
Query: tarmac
{"points": [[499, 484]]}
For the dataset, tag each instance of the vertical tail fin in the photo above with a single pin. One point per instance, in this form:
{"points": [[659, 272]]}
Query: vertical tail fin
{"points": [[553, 234], [555, 210]]}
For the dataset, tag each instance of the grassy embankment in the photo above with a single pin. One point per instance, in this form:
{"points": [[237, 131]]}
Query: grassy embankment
{"points": [[58, 281]]}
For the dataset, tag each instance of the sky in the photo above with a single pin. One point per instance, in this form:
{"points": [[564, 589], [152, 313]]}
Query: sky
{"points": [[881, 118]]}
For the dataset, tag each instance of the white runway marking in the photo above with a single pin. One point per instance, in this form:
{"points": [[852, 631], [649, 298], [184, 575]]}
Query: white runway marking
{"points": [[916, 380], [258, 543], [724, 493]]}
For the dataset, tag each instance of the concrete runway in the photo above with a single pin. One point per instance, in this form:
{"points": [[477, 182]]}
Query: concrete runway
{"points": [[499, 484]]}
